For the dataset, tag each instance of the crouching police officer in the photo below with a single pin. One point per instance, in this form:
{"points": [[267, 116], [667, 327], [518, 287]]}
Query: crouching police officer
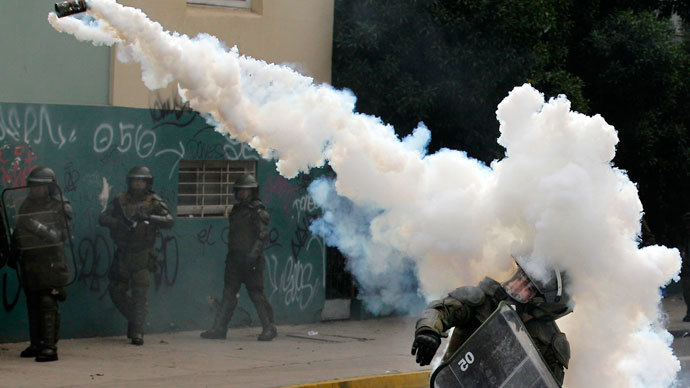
{"points": [[40, 234], [537, 303], [134, 218]]}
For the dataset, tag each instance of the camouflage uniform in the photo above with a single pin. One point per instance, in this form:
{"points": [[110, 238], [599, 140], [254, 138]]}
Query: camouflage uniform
{"points": [[245, 262], [134, 218], [466, 308], [39, 238]]}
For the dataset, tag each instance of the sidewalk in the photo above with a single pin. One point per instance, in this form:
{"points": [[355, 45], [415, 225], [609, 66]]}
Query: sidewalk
{"points": [[376, 350], [675, 308], [300, 354]]}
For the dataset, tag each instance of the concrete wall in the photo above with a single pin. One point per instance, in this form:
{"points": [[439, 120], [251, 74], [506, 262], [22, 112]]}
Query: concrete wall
{"points": [[41, 65], [299, 32], [87, 145]]}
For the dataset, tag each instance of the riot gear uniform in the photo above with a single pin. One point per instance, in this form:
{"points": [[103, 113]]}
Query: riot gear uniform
{"points": [[134, 218], [466, 308], [39, 237], [245, 262]]}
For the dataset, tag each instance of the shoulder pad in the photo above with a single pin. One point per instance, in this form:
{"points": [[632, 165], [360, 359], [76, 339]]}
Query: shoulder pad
{"points": [[256, 203], [156, 197], [472, 296], [264, 217], [493, 288], [60, 198]]}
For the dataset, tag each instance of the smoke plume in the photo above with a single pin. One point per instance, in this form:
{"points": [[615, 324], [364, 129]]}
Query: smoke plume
{"points": [[412, 222]]}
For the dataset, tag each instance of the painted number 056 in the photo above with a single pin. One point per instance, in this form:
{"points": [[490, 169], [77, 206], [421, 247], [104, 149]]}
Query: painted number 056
{"points": [[465, 362]]}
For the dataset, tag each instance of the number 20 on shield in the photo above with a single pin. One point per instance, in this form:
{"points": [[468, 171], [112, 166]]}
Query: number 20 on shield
{"points": [[465, 362]]}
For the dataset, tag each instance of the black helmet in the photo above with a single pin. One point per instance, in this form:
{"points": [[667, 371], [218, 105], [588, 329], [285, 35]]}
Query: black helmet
{"points": [[41, 176], [246, 181], [142, 173]]}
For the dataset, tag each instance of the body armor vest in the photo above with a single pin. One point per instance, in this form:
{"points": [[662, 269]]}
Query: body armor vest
{"points": [[244, 227], [141, 237], [42, 261]]}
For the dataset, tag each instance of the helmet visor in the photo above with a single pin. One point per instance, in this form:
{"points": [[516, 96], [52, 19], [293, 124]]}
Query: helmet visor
{"points": [[519, 287]]}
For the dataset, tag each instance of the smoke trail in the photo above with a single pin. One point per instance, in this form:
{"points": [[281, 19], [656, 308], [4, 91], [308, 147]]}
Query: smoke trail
{"points": [[446, 218]]}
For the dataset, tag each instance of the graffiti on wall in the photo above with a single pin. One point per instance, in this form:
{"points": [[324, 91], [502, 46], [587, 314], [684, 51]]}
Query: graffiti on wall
{"points": [[85, 153], [33, 127], [296, 280], [16, 163]]}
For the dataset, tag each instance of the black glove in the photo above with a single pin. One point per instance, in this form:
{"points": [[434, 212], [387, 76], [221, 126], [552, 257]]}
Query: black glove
{"points": [[425, 345], [140, 215]]}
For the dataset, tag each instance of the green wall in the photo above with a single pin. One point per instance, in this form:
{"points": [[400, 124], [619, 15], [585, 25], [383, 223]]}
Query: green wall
{"points": [[85, 145], [39, 64]]}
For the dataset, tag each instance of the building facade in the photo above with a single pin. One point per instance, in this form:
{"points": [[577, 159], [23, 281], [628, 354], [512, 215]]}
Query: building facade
{"points": [[70, 106]]}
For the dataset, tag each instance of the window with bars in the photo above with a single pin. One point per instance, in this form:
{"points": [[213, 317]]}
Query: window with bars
{"points": [[224, 3], [205, 187]]}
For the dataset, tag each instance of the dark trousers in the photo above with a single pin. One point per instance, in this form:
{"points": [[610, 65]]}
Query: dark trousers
{"points": [[252, 275], [130, 279], [44, 318]]}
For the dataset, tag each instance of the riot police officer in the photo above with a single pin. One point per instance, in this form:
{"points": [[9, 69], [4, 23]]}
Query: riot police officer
{"points": [[39, 237], [134, 218], [538, 304], [245, 262]]}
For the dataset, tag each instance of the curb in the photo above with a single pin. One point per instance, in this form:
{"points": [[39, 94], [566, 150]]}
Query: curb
{"points": [[679, 333], [392, 380]]}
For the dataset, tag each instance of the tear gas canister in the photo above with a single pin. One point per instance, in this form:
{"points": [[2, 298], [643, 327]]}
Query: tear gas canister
{"points": [[70, 7]]}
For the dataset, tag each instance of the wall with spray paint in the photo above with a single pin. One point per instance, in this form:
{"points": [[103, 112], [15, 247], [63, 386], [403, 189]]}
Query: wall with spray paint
{"points": [[42, 65], [91, 149]]}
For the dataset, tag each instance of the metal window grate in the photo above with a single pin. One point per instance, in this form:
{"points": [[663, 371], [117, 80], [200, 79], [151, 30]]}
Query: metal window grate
{"points": [[205, 187], [224, 3]]}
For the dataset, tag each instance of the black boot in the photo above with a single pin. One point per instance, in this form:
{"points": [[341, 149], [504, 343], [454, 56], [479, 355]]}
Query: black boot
{"points": [[34, 331], [220, 323], [30, 352], [265, 313], [130, 330], [215, 334], [47, 354], [48, 350], [268, 333], [135, 332], [138, 339]]}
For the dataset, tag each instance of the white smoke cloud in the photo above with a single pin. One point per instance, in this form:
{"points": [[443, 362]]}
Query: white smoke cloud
{"points": [[395, 210]]}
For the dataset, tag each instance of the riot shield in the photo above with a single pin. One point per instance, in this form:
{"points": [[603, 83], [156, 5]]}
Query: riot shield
{"points": [[4, 239], [40, 234], [499, 354]]}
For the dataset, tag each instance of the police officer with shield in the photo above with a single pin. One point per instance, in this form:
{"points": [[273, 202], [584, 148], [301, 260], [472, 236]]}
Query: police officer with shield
{"points": [[248, 233], [41, 232], [134, 218], [538, 304]]}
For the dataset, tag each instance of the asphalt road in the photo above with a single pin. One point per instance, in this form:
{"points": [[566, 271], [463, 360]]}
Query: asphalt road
{"points": [[681, 347]]}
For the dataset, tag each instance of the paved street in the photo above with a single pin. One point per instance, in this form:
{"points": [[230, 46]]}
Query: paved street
{"points": [[301, 354], [675, 308], [681, 346]]}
